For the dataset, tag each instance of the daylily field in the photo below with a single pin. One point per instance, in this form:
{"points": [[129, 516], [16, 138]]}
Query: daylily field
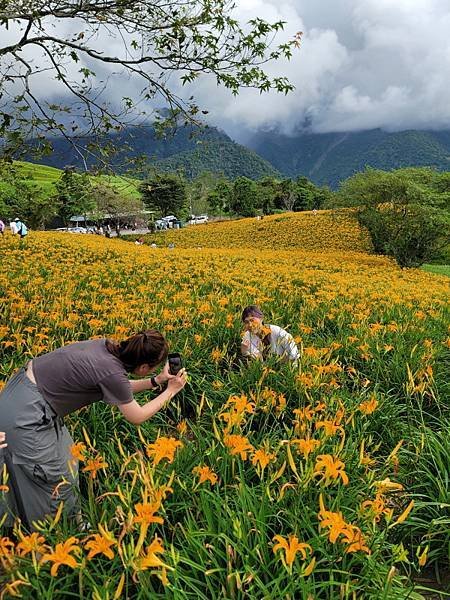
{"points": [[261, 481]]}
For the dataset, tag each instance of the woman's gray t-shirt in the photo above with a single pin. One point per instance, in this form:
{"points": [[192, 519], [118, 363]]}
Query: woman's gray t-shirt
{"points": [[79, 374]]}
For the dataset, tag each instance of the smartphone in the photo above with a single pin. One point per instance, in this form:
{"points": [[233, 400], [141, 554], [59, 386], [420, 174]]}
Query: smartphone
{"points": [[175, 363]]}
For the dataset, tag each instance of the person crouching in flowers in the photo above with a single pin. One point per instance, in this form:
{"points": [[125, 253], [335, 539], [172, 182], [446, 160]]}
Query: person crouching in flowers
{"points": [[260, 339], [37, 398]]}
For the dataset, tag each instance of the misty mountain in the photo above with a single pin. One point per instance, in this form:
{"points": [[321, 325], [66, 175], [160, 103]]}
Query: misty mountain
{"points": [[329, 158], [189, 150]]}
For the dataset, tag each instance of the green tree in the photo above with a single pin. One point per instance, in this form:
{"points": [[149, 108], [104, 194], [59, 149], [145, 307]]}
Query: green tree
{"points": [[244, 197], [74, 195], [405, 211], [286, 197], [112, 203], [268, 187], [219, 199], [167, 193], [158, 40], [410, 233], [199, 190], [20, 197]]}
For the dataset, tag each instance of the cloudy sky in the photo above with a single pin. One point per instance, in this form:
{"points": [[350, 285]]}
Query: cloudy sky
{"points": [[362, 64]]}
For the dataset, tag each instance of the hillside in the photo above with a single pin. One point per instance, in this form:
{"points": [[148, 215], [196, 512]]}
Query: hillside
{"points": [[325, 230], [332, 157], [326, 158], [44, 177], [187, 149], [229, 159]]}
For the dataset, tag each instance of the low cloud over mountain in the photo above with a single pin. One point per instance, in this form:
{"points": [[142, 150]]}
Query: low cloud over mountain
{"points": [[363, 64]]}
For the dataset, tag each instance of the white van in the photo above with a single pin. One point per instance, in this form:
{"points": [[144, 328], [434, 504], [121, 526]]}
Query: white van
{"points": [[198, 220]]}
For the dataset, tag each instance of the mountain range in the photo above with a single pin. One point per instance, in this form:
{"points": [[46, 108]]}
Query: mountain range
{"points": [[329, 158], [325, 158]]}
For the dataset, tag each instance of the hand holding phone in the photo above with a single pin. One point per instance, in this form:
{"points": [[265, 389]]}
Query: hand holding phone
{"points": [[175, 363]]}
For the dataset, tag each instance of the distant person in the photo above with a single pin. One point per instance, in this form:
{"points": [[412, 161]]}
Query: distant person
{"points": [[171, 246], [21, 228], [36, 399], [260, 340], [2, 228], [13, 228], [139, 241], [153, 245]]}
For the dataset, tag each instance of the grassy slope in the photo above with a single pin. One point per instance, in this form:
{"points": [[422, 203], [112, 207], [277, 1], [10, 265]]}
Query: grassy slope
{"points": [[45, 178], [438, 269]]}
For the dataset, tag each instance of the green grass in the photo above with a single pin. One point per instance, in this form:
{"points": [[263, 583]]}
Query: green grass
{"points": [[45, 178], [438, 269]]}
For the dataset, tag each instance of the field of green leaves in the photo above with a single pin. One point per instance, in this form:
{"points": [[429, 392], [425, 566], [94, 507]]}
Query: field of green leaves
{"points": [[330, 480]]}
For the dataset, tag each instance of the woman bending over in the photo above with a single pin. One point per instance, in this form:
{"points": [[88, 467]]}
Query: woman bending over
{"points": [[36, 399]]}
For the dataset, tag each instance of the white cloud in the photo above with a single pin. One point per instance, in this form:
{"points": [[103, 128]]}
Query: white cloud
{"points": [[362, 64]]}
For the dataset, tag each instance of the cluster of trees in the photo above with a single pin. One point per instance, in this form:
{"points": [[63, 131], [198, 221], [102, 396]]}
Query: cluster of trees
{"points": [[247, 197], [74, 193], [407, 212], [241, 197]]}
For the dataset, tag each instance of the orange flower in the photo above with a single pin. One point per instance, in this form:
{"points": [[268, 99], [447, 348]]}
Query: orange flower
{"points": [[31, 543], [238, 444], [6, 552], [355, 540], [150, 560], [182, 427], [62, 555], [163, 447], [369, 406], [376, 508], [291, 546], [262, 458], [145, 513], [100, 543], [333, 521], [305, 446], [330, 427], [93, 465], [330, 468], [77, 451], [205, 474], [216, 355], [241, 404]]}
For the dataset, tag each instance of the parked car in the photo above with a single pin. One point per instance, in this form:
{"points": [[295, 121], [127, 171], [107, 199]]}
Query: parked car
{"points": [[167, 222], [72, 229], [77, 229], [198, 220]]}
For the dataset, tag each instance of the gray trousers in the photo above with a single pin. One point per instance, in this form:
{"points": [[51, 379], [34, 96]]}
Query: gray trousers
{"points": [[44, 472]]}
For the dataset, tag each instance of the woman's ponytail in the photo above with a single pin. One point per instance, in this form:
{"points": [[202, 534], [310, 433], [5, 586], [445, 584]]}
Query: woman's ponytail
{"points": [[147, 347]]}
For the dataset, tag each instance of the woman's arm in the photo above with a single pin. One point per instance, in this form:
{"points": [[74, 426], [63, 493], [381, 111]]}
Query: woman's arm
{"points": [[289, 349], [142, 385], [137, 414]]}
